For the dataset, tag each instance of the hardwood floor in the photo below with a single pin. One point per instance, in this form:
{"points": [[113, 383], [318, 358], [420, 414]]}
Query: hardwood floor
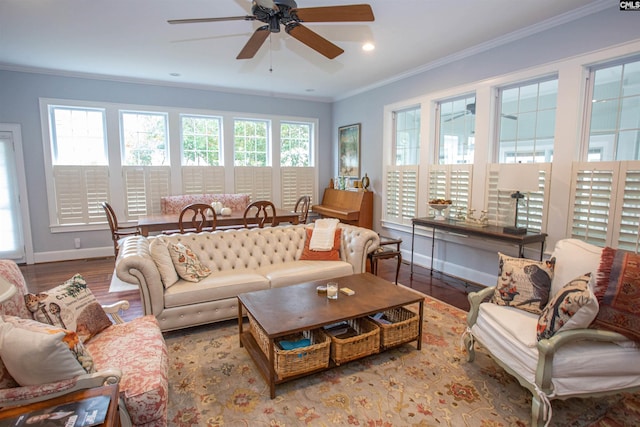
{"points": [[98, 273]]}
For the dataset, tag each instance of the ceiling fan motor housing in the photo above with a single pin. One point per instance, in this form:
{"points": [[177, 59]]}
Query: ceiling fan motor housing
{"points": [[280, 14]]}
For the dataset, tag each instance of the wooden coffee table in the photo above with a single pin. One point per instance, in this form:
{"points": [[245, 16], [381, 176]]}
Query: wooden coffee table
{"points": [[284, 311]]}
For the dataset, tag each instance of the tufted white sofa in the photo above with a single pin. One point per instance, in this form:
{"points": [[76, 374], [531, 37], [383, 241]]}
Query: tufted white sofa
{"points": [[241, 261]]}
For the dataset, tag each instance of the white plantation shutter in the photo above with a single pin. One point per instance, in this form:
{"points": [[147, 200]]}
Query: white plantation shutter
{"points": [[593, 185], [79, 191], [296, 182], [451, 182], [401, 192], [203, 180], [532, 211], [254, 180], [144, 186], [627, 222]]}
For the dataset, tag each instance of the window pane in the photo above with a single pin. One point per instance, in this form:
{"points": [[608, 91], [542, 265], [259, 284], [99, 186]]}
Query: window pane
{"points": [[295, 144], [407, 136], [615, 109], [527, 122], [250, 143], [78, 136], [144, 137], [201, 141], [457, 124]]}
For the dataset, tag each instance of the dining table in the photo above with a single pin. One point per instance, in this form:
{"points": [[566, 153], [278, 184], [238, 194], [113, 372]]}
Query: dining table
{"points": [[166, 222]]}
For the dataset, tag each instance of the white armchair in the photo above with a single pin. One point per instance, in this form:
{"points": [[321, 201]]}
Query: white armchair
{"points": [[580, 362]]}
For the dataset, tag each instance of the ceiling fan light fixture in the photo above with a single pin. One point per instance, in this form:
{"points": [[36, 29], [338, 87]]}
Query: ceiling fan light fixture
{"points": [[368, 47]]}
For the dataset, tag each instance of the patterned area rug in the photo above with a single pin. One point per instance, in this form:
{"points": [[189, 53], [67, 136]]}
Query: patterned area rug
{"points": [[213, 382]]}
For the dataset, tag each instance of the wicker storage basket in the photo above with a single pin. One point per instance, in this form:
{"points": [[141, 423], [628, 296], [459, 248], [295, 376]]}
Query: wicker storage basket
{"points": [[403, 327], [365, 343], [297, 361]]}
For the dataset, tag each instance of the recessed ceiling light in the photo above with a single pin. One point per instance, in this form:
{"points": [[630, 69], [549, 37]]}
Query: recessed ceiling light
{"points": [[368, 47]]}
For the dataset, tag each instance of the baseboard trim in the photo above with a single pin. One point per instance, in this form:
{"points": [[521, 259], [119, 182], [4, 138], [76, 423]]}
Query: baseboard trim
{"points": [[72, 254]]}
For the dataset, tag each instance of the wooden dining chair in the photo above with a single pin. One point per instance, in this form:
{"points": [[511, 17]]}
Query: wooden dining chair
{"points": [[302, 207], [197, 217], [118, 232], [257, 214]]}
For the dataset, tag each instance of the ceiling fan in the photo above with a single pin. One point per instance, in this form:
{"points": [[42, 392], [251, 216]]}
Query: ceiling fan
{"points": [[471, 109], [286, 12]]}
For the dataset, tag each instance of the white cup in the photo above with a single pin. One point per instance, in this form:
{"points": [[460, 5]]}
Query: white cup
{"points": [[332, 290]]}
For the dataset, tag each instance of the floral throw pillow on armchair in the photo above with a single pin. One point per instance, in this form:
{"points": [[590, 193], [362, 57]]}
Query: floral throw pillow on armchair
{"points": [[523, 283]]}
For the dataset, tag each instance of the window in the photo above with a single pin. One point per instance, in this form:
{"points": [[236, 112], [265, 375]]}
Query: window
{"points": [[78, 136], [451, 182], [401, 176], [144, 138], [614, 128], [295, 144], [532, 210], [606, 204], [527, 122], [456, 129], [251, 143], [407, 136], [79, 164], [201, 140], [297, 175]]}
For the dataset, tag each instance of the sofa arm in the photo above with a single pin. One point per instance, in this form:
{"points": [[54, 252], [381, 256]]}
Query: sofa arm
{"points": [[135, 265], [475, 299], [25, 395], [357, 243], [114, 309]]}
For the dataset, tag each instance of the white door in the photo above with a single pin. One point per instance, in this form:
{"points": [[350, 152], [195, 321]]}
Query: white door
{"points": [[15, 243]]}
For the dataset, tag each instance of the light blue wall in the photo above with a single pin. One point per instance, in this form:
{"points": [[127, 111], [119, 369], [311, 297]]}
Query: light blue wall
{"points": [[594, 32], [20, 93]]}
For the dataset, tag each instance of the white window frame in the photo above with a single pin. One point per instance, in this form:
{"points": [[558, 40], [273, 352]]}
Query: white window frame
{"points": [[438, 121], [152, 182]]}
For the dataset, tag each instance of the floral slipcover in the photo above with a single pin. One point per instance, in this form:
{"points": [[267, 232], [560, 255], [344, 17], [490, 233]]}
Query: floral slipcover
{"points": [[174, 204], [136, 347]]}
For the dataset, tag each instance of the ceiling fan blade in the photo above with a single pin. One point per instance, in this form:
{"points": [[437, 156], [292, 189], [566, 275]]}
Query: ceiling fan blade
{"points": [[255, 42], [200, 20], [313, 40], [349, 13]]}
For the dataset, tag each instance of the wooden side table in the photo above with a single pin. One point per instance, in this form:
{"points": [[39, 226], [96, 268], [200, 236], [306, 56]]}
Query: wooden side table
{"points": [[113, 415], [386, 251]]}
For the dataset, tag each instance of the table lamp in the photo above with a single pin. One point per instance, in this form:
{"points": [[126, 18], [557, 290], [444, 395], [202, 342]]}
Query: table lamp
{"points": [[7, 290], [520, 179]]}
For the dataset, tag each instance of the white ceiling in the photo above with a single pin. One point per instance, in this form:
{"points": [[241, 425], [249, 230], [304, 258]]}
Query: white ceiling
{"points": [[131, 40]]}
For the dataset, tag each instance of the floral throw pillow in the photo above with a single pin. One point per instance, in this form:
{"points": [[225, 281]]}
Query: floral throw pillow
{"points": [[523, 283], [36, 353], [187, 263], [72, 306], [573, 307]]}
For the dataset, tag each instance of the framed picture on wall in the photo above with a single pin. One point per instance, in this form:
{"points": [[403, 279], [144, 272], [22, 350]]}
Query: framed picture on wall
{"points": [[349, 151]]}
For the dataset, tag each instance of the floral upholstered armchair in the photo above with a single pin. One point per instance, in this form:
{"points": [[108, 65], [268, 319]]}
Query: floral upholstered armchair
{"points": [[41, 360]]}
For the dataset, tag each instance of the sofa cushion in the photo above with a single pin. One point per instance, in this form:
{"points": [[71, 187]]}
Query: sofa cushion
{"points": [[187, 264], [618, 291], [159, 250], [523, 283], [38, 353], [137, 348], [331, 255], [295, 272], [218, 285], [72, 306], [574, 307]]}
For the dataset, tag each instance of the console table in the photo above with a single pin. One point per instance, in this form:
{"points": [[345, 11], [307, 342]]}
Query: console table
{"points": [[488, 232]]}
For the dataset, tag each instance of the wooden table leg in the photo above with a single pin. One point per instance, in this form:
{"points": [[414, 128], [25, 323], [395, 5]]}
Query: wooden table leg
{"points": [[272, 370], [420, 320], [240, 322]]}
